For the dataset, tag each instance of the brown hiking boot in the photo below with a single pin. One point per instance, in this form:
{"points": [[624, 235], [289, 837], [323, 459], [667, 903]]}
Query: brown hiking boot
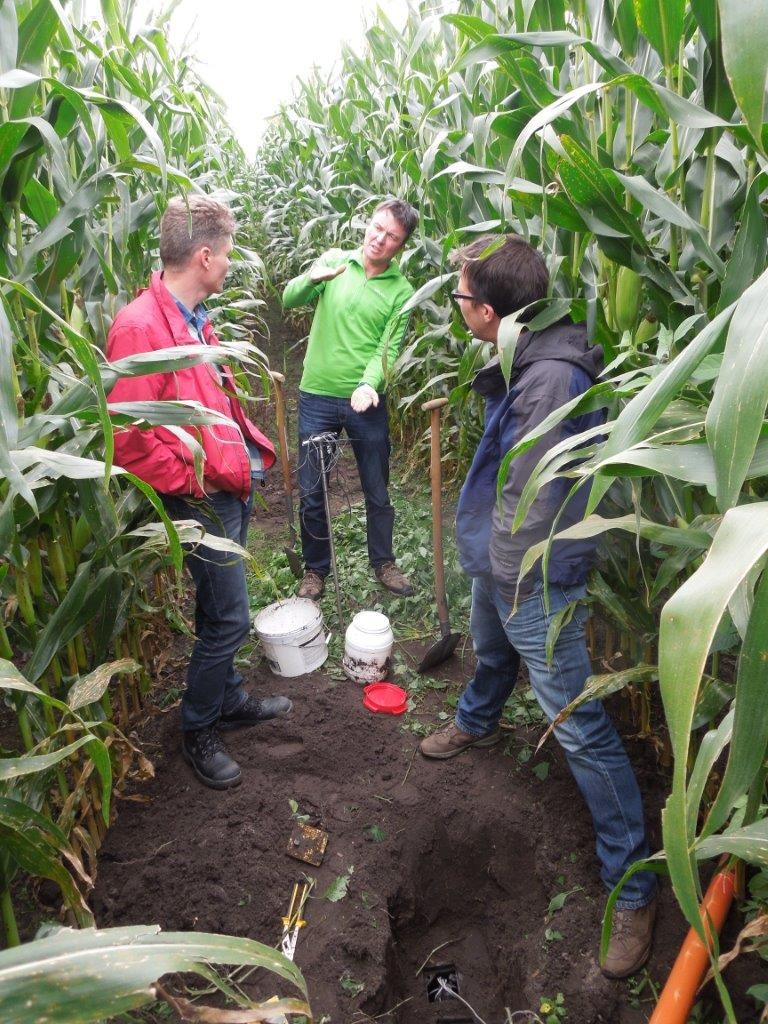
{"points": [[630, 942], [390, 577], [450, 741], [312, 586]]}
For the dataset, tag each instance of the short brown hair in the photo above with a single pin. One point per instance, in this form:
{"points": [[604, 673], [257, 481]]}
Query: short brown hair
{"points": [[513, 274], [190, 222], [405, 214]]}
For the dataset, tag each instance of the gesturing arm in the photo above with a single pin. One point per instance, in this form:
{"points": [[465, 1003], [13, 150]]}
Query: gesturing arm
{"points": [[306, 287]]}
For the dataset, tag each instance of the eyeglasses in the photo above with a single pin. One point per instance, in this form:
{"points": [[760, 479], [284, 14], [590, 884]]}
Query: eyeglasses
{"points": [[460, 295]]}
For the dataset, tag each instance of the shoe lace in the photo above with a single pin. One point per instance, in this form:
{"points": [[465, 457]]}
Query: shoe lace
{"points": [[624, 928], [622, 924], [209, 742]]}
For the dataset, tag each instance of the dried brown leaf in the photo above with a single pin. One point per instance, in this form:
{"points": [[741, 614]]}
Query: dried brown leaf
{"points": [[271, 1012], [757, 926]]}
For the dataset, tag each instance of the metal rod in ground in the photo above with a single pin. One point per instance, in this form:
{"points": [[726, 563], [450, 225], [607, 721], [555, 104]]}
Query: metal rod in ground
{"points": [[331, 545]]}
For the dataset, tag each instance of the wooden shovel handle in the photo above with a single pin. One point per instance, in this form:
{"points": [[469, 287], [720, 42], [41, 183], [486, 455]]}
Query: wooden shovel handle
{"points": [[434, 403], [436, 480], [278, 380], [282, 434]]}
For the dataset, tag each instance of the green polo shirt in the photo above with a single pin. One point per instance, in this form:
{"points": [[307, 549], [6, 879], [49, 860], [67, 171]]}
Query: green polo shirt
{"points": [[357, 329]]}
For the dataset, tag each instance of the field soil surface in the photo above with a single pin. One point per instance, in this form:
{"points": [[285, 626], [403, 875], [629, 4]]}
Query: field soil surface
{"points": [[476, 866]]}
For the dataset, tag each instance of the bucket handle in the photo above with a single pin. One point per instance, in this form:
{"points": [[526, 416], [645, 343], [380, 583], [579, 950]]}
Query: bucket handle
{"points": [[313, 638]]}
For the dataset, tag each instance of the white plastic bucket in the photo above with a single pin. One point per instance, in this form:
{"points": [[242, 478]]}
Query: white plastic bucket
{"points": [[367, 648], [293, 636]]}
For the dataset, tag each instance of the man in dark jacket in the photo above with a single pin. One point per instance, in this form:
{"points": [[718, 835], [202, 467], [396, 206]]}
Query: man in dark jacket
{"points": [[195, 243], [550, 368]]}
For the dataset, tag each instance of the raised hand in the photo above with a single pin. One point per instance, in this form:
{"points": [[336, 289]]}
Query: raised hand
{"points": [[318, 274]]}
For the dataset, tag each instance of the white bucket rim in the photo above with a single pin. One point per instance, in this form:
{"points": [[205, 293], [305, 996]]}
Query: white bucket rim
{"points": [[313, 618]]}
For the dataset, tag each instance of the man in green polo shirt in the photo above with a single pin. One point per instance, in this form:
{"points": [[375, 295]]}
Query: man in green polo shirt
{"points": [[355, 337]]}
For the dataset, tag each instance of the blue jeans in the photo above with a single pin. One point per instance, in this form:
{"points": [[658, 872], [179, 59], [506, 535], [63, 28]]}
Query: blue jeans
{"points": [[222, 611], [592, 746], [368, 433]]}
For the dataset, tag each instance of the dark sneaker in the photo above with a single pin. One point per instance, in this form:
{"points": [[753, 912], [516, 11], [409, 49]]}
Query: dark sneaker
{"points": [[312, 586], [630, 943], [390, 577], [450, 741], [254, 710], [209, 758]]}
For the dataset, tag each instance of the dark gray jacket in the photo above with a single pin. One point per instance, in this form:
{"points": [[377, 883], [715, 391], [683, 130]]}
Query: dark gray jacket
{"points": [[550, 368]]}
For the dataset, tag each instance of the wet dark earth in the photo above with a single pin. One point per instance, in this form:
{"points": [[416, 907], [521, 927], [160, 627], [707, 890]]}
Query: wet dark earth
{"points": [[477, 875]]}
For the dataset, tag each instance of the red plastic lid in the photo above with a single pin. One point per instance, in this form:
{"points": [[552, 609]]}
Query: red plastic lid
{"points": [[385, 698]]}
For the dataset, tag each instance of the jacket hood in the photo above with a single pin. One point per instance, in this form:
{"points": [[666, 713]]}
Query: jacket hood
{"points": [[564, 341]]}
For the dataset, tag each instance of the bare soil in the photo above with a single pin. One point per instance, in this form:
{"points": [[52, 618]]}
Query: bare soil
{"points": [[449, 864]]}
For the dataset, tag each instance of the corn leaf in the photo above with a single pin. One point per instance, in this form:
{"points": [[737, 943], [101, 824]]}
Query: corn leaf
{"points": [[661, 22], [742, 23], [750, 724], [81, 976], [688, 624], [733, 428], [637, 419]]}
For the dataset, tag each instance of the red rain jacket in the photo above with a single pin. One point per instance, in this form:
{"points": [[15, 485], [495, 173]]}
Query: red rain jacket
{"points": [[153, 321]]}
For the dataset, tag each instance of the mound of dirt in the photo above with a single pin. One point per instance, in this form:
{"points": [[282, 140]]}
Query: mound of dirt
{"points": [[448, 865]]}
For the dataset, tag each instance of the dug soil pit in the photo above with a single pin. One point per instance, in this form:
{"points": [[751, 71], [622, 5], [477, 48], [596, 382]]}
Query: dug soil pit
{"points": [[477, 874], [455, 865]]}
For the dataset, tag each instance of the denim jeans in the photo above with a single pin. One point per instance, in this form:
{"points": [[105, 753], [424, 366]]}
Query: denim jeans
{"points": [[368, 433], [592, 746], [222, 611]]}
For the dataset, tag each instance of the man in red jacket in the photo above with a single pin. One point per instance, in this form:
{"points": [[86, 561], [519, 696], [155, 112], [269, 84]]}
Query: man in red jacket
{"points": [[195, 243]]}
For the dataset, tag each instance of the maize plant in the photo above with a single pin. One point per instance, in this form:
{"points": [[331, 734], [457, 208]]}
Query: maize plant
{"points": [[99, 123], [626, 139]]}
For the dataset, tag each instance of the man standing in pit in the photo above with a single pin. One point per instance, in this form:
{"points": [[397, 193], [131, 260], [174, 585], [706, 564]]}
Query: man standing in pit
{"points": [[550, 368], [355, 337], [195, 244]]}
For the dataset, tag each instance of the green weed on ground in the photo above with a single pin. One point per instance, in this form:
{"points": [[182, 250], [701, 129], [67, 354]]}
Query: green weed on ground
{"points": [[412, 619]]}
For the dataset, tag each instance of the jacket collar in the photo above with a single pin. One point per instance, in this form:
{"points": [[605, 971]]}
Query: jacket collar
{"points": [[176, 319], [393, 270]]}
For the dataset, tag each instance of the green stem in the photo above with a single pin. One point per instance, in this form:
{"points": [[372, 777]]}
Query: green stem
{"points": [[9, 919], [6, 651], [608, 123]]}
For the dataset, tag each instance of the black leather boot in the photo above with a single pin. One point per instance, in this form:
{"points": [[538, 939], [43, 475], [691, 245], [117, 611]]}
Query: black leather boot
{"points": [[254, 710], [210, 759]]}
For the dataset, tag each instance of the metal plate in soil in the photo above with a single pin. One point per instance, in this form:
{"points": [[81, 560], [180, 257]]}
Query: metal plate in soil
{"points": [[307, 843]]}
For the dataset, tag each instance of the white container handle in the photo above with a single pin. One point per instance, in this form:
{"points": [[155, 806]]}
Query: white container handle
{"points": [[312, 639]]}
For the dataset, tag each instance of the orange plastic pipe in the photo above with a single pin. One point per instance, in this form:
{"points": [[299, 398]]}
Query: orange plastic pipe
{"points": [[679, 993]]}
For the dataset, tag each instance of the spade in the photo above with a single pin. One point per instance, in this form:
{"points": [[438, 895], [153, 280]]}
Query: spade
{"points": [[443, 648], [294, 559]]}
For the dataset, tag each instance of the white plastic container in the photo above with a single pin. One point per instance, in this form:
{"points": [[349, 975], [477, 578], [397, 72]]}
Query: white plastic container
{"points": [[293, 636], [367, 648]]}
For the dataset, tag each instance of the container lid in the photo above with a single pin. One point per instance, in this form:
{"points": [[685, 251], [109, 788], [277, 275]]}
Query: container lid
{"points": [[286, 617], [371, 622], [385, 698]]}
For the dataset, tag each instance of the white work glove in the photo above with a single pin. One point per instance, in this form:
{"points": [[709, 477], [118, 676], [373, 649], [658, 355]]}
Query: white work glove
{"points": [[363, 397], [318, 274]]}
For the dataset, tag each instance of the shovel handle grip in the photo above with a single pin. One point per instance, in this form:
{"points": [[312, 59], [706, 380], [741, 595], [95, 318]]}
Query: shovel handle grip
{"points": [[434, 403]]}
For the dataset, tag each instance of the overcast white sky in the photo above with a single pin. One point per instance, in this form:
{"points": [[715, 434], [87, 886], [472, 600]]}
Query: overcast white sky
{"points": [[252, 52]]}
